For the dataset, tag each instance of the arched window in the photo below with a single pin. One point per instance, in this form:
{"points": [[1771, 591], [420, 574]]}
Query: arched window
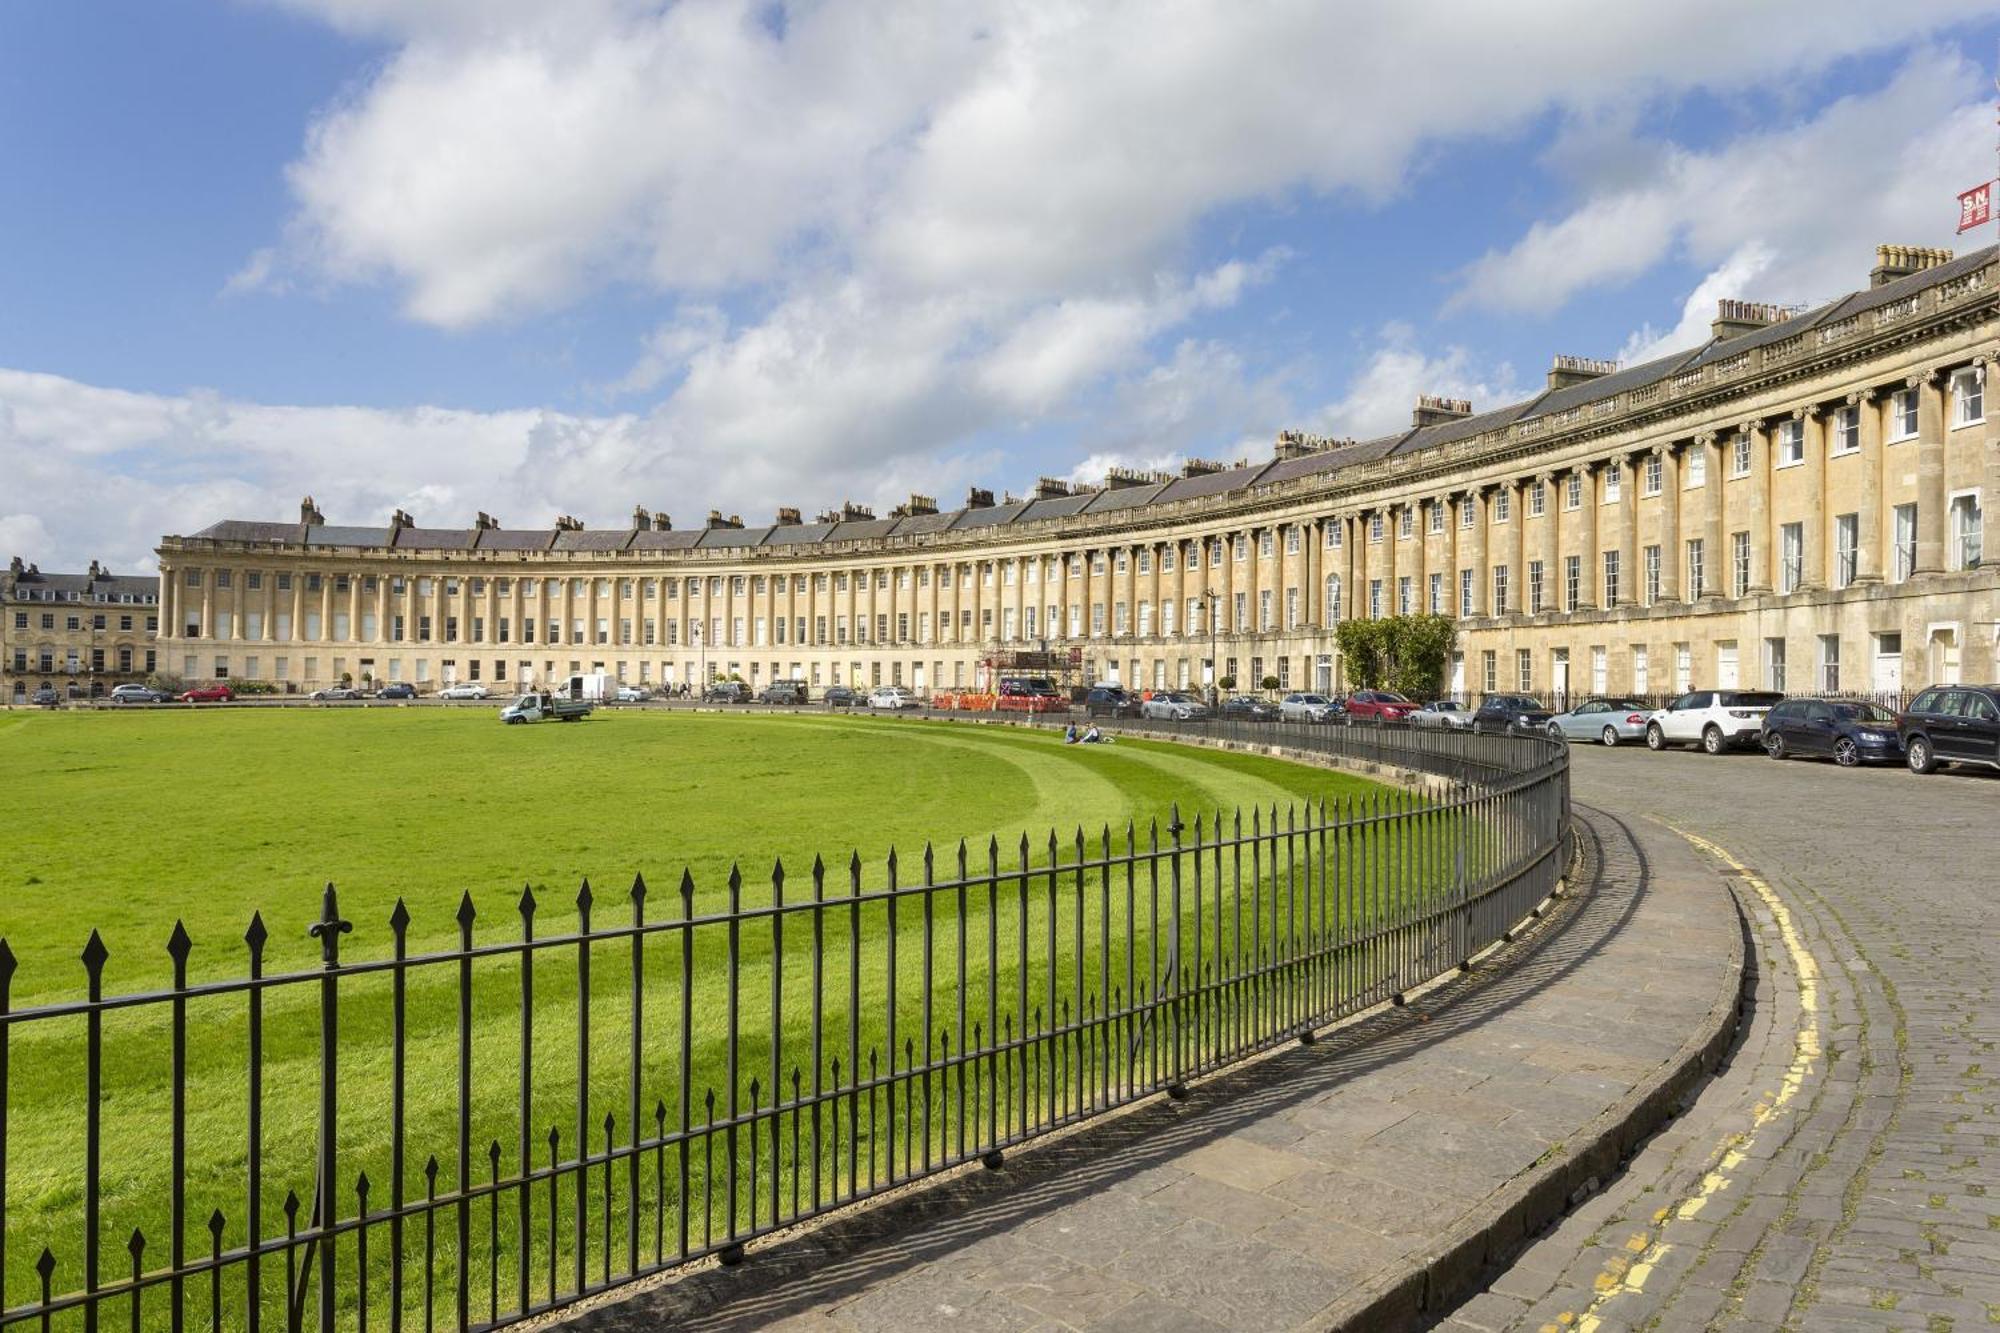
{"points": [[1332, 598]]}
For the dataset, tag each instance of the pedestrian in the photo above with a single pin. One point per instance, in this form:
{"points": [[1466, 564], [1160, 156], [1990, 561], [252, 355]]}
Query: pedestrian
{"points": [[1069, 734]]}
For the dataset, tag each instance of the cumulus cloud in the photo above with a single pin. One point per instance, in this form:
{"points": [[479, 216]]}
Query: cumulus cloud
{"points": [[1789, 215], [1398, 370]]}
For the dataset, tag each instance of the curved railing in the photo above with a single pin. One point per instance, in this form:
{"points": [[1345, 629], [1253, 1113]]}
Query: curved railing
{"points": [[776, 1050]]}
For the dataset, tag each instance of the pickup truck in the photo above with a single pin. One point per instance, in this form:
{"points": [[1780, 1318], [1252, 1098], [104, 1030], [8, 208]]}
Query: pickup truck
{"points": [[540, 706]]}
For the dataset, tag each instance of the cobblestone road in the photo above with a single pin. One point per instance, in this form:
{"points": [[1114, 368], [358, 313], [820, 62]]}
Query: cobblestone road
{"points": [[1843, 1171]]}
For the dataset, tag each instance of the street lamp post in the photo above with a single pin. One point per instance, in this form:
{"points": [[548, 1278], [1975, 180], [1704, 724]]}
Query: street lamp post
{"points": [[1214, 599]]}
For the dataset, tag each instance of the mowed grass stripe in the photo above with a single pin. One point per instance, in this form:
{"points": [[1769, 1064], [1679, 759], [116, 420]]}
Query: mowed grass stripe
{"points": [[883, 776]]}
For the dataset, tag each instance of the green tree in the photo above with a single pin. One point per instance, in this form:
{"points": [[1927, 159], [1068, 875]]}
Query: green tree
{"points": [[1408, 654]]}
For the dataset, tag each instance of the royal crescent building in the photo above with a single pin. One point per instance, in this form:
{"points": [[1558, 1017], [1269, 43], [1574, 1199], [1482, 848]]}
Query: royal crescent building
{"points": [[1801, 502]]}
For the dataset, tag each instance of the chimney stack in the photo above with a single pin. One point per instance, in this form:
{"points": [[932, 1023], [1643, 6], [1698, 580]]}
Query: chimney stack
{"points": [[1434, 411], [1900, 261], [484, 522], [14, 566], [641, 520], [1566, 371], [851, 512], [1051, 488], [662, 523], [309, 512], [400, 520], [717, 521], [788, 518], [564, 523], [1733, 319]]}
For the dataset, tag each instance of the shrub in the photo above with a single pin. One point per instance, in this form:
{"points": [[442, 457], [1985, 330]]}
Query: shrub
{"points": [[1226, 682], [1408, 654], [1270, 682]]}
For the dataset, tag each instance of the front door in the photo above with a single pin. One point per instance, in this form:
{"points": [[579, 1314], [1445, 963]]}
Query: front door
{"points": [[1559, 675], [1944, 655], [1457, 677], [1888, 677], [1725, 666]]}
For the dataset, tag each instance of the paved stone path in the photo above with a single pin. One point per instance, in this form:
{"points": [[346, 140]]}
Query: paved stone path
{"points": [[1843, 1172], [1276, 1194]]}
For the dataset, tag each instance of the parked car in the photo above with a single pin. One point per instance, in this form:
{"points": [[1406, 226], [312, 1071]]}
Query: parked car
{"points": [[1110, 701], [138, 694], [1955, 724], [1378, 706], [399, 690], [894, 697], [783, 692], [726, 692], [340, 692], [208, 694], [1172, 706], [1607, 720], [632, 694], [838, 696], [1307, 708], [1849, 731], [1447, 713], [465, 689], [45, 697], [1509, 713], [1716, 720], [1248, 708]]}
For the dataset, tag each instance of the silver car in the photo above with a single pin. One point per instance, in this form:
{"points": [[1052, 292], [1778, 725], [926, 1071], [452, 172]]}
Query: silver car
{"points": [[1306, 708], [1447, 713], [1173, 707], [1607, 720]]}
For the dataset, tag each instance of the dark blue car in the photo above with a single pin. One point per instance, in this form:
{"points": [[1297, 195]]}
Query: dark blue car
{"points": [[1847, 731], [399, 691]]}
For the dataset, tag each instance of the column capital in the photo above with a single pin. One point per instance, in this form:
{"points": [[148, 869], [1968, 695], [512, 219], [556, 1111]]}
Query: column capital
{"points": [[1924, 377], [1703, 439], [1861, 397]]}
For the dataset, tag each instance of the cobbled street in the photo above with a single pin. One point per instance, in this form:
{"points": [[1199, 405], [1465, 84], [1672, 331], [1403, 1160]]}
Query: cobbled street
{"points": [[1843, 1170]]}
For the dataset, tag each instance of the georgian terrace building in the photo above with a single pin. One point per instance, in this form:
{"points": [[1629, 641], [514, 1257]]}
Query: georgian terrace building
{"points": [[1800, 502], [77, 634]]}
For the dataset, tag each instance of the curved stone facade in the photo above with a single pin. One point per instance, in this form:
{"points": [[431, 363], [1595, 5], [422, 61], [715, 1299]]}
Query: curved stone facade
{"points": [[1801, 502]]}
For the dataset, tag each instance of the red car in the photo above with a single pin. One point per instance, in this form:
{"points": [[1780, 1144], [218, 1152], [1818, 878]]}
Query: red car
{"points": [[1379, 706], [208, 694]]}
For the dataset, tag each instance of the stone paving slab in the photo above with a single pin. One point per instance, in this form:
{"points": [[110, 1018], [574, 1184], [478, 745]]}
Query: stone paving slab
{"points": [[1345, 1181], [1842, 1171]]}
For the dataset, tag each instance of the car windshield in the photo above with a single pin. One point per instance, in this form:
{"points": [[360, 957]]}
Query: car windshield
{"points": [[1862, 712], [1750, 699], [1445, 706], [1312, 699]]}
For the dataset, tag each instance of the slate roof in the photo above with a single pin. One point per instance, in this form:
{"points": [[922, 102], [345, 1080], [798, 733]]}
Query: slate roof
{"points": [[82, 587], [1115, 499]]}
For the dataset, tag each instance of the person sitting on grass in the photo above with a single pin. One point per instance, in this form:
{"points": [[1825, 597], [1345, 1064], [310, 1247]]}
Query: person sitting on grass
{"points": [[1094, 736], [1069, 734]]}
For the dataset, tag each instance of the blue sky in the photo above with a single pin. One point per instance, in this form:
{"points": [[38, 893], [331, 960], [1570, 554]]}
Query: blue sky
{"points": [[494, 254]]}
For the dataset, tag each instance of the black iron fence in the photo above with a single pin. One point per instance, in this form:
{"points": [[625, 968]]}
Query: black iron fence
{"points": [[481, 1134]]}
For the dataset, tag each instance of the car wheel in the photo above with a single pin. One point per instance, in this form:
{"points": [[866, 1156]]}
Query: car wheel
{"points": [[1711, 739], [1775, 747], [1610, 737], [1656, 739], [1846, 753], [1556, 733], [1922, 758]]}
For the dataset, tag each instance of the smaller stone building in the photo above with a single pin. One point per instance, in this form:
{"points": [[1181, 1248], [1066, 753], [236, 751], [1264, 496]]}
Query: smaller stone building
{"points": [[78, 634]]}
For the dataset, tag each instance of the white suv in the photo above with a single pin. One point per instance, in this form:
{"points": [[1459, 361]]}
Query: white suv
{"points": [[893, 696], [1716, 720]]}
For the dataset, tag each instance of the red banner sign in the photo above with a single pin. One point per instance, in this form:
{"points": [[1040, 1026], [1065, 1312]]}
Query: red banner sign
{"points": [[1975, 207]]}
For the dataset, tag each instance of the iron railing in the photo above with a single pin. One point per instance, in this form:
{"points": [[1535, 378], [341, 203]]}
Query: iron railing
{"points": [[483, 1133]]}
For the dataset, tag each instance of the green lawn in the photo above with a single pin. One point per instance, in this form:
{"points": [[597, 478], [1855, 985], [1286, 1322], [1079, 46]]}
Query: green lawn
{"points": [[128, 822]]}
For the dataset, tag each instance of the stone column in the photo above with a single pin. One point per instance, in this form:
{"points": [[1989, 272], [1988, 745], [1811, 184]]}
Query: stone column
{"points": [[1482, 573], [1712, 563], [1549, 549], [1517, 545], [1669, 534], [1587, 584], [1930, 388], [1761, 579], [1812, 565], [1868, 537], [1629, 572]]}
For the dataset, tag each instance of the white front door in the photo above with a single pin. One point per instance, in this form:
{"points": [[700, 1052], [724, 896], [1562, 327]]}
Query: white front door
{"points": [[1725, 666], [1559, 674], [1888, 663], [1457, 678]]}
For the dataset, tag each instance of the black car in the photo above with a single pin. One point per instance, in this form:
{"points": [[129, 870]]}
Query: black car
{"points": [[1110, 701], [1848, 731], [399, 691], [839, 696], [1248, 708], [726, 692], [1509, 713], [47, 698], [1952, 724]]}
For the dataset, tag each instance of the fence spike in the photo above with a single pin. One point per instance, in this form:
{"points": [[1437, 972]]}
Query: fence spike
{"points": [[639, 890], [215, 1225], [399, 920], [361, 1188], [778, 875], [292, 1201], [466, 911], [687, 890], [94, 954], [136, 1246], [7, 966], [256, 934], [583, 901], [46, 1265]]}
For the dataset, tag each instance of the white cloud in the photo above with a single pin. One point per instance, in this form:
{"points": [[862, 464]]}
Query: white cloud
{"points": [[1382, 396], [1790, 214], [1737, 273]]}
